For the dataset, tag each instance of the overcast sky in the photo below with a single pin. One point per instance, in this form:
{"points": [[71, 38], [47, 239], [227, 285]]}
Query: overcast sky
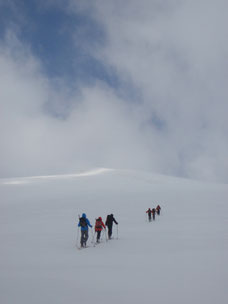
{"points": [[117, 84]]}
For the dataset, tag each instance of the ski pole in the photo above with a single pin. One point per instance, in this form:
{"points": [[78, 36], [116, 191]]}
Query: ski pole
{"points": [[77, 233], [103, 234], [93, 241], [77, 237], [93, 235], [106, 238], [117, 231]]}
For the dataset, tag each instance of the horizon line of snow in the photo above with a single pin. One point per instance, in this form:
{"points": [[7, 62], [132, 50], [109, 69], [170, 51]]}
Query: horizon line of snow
{"points": [[26, 180]]}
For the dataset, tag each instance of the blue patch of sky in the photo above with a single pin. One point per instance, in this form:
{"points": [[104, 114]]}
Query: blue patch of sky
{"points": [[156, 122], [63, 41], [6, 17]]}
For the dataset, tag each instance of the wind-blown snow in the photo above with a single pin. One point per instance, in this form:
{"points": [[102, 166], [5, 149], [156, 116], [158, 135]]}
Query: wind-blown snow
{"points": [[26, 180], [181, 257]]}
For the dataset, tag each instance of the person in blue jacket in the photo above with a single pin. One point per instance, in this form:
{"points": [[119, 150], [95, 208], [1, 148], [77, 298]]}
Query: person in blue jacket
{"points": [[84, 223]]}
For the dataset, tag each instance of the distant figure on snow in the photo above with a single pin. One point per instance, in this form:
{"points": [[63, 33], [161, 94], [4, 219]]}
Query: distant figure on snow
{"points": [[84, 223], [109, 222], [153, 213], [158, 209], [149, 211], [99, 225]]}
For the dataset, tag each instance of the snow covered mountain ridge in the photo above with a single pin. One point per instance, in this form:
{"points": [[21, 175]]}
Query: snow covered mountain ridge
{"points": [[144, 175], [25, 180]]}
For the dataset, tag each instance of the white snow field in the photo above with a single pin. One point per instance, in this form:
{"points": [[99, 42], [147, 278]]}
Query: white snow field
{"points": [[179, 258]]}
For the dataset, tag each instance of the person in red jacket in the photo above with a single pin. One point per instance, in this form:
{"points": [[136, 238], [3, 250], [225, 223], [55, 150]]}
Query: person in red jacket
{"points": [[158, 209], [99, 225], [149, 211]]}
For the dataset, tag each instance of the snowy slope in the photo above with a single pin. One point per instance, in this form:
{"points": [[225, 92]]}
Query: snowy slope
{"points": [[179, 258]]}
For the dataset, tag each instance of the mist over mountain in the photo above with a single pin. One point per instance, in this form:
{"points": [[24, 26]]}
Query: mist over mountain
{"points": [[114, 84]]}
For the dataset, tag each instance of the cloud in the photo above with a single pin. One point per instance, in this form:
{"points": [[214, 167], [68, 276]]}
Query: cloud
{"points": [[176, 54], [166, 111], [97, 130]]}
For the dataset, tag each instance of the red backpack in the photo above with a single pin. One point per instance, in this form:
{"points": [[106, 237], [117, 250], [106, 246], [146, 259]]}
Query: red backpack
{"points": [[98, 224]]}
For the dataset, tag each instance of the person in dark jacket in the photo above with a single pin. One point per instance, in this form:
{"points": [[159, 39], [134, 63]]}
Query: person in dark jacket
{"points": [[99, 225], [149, 211], [153, 213], [84, 223], [109, 222]]}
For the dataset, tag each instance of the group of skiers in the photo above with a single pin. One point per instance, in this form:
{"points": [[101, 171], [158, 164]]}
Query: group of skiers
{"points": [[84, 223], [152, 212]]}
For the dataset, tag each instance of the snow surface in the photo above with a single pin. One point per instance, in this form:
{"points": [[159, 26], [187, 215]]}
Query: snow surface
{"points": [[181, 257]]}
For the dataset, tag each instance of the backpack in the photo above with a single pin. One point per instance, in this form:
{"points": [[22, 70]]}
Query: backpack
{"points": [[83, 222], [98, 224], [108, 220]]}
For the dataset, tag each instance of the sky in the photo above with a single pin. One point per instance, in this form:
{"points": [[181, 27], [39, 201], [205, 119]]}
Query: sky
{"points": [[114, 84]]}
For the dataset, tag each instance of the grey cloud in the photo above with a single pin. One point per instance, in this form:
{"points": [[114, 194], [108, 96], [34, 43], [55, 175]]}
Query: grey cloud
{"points": [[97, 131], [177, 55]]}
